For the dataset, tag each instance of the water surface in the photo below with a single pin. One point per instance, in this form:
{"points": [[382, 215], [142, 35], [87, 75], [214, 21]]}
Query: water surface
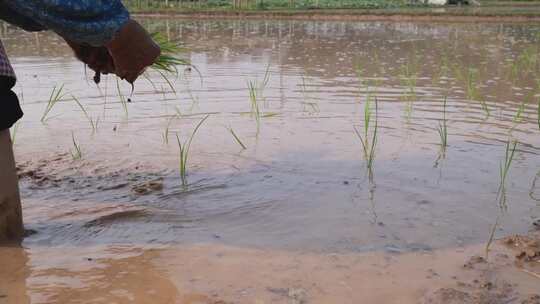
{"points": [[302, 182]]}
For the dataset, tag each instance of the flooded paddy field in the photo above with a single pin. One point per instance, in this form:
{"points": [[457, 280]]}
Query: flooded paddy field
{"points": [[351, 139]]}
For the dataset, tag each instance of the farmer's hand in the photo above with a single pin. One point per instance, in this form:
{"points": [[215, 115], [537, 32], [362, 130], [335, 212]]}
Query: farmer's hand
{"points": [[132, 50], [97, 58]]}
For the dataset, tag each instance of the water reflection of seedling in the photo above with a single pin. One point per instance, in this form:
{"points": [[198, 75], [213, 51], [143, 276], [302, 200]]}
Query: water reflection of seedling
{"points": [[503, 172], [528, 60], [538, 113], [518, 117], [184, 151], [485, 107], [56, 96], [93, 123], [514, 71], [314, 106], [236, 138], [369, 144], [471, 88], [443, 129], [444, 68], [167, 128], [409, 77], [123, 100], [360, 74], [194, 99], [533, 189], [77, 152]]}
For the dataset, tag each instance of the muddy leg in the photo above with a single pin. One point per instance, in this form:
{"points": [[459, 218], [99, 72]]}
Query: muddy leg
{"points": [[11, 226]]}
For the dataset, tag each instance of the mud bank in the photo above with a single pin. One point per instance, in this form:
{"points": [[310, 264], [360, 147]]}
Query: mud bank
{"points": [[220, 274]]}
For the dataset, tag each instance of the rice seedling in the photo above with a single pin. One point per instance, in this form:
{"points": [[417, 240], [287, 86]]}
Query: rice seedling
{"points": [[184, 151], [443, 129], [77, 152], [368, 145], [504, 168], [501, 193], [264, 83], [167, 62], [491, 237], [255, 107], [93, 123], [236, 138], [256, 92], [56, 96]]}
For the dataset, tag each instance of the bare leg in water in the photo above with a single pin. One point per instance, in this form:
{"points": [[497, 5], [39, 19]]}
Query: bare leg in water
{"points": [[11, 225]]}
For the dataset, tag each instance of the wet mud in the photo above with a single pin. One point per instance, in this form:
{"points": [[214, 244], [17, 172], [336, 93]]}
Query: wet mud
{"points": [[215, 274]]}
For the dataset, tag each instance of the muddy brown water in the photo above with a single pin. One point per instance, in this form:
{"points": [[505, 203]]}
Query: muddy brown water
{"points": [[301, 184]]}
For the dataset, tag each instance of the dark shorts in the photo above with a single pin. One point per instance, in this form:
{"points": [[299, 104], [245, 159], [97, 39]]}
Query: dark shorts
{"points": [[10, 109]]}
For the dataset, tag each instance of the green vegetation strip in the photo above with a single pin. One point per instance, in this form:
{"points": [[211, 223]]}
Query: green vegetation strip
{"points": [[331, 8]]}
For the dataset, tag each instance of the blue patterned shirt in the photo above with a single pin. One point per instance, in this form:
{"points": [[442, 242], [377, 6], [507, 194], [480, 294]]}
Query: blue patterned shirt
{"points": [[85, 21], [92, 22]]}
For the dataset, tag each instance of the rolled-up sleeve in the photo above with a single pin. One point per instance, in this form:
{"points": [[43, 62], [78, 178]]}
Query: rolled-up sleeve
{"points": [[92, 22]]}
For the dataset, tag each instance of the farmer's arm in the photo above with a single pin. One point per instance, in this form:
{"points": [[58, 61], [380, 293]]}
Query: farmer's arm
{"points": [[93, 22], [9, 15], [99, 31]]}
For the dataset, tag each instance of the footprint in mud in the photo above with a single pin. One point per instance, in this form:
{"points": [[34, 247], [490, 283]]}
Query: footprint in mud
{"points": [[148, 187], [536, 224], [294, 295], [527, 248], [477, 292], [449, 296], [125, 215], [532, 299]]}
